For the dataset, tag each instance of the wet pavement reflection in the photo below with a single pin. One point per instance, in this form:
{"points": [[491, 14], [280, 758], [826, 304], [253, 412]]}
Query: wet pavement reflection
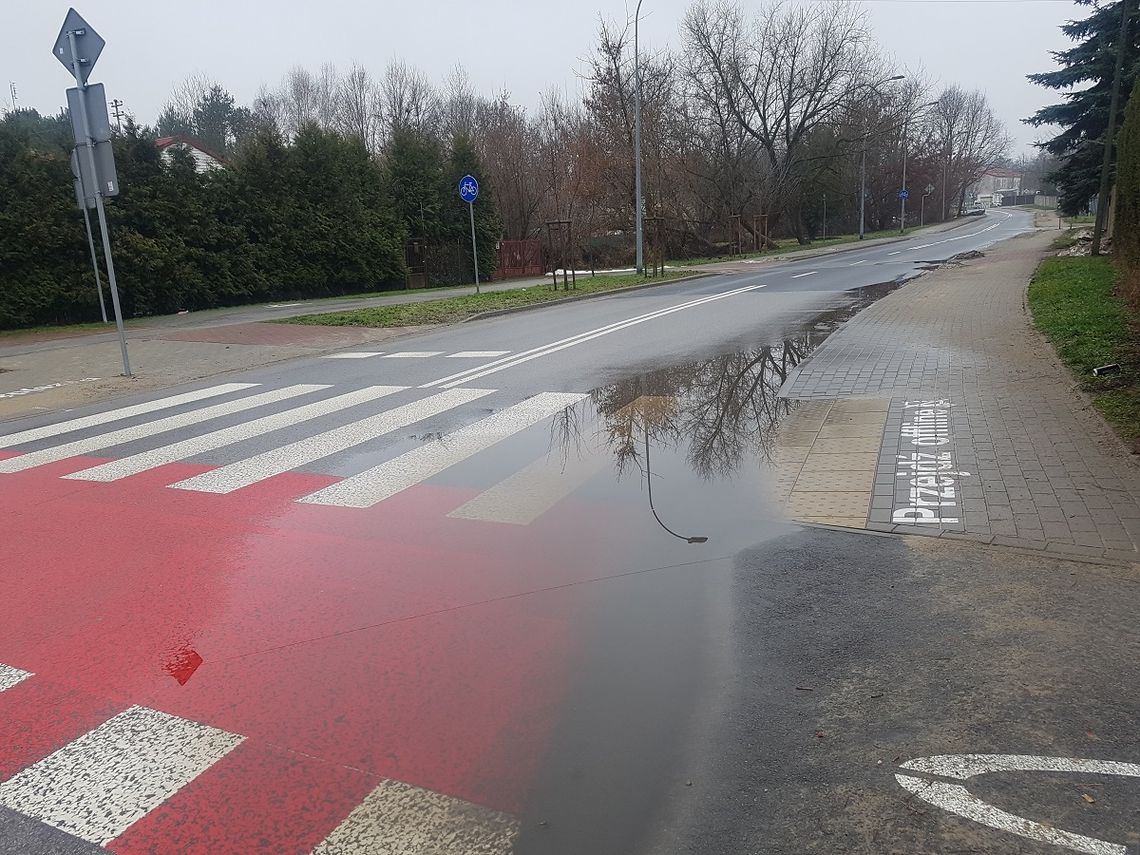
{"points": [[689, 450]]}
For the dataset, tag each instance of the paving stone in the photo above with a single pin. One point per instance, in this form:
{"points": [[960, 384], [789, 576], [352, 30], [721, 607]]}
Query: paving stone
{"points": [[1045, 467]]}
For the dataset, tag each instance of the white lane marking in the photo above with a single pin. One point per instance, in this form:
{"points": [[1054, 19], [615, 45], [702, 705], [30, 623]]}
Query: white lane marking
{"points": [[226, 479], [283, 305], [896, 252], [399, 819], [958, 800], [543, 350], [924, 246], [10, 676], [126, 466], [802, 275], [414, 354], [532, 491], [393, 476], [147, 429], [510, 362], [33, 434], [363, 354], [477, 354], [857, 263], [104, 781]]}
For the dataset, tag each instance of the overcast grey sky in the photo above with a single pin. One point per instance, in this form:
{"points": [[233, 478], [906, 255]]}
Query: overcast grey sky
{"points": [[504, 44]]}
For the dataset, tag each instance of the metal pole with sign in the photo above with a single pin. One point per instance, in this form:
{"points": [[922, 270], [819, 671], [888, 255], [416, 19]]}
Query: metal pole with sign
{"points": [[83, 201], [95, 263], [78, 48], [469, 192]]}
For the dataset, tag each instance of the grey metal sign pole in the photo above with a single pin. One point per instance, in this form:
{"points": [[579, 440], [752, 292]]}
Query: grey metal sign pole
{"points": [[81, 197], [95, 263], [469, 192], [474, 246], [81, 81]]}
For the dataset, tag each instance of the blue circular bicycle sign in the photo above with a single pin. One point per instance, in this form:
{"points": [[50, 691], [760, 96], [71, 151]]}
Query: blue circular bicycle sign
{"points": [[468, 188], [904, 194]]}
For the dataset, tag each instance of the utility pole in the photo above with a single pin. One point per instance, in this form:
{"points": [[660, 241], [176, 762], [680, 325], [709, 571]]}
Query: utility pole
{"points": [[117, 112], [15, 99], [863, 189], [1110, 131], [863, 161], [903, 192], [639, 225]]}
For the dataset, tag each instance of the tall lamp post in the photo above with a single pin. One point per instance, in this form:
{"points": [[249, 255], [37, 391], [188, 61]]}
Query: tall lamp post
{"points": [[637, 142], [863, 166], [904, 193]]}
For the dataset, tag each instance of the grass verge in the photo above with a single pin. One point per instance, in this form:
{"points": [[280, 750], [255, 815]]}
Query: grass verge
{"points": [[450, 310], [1075, 305]]}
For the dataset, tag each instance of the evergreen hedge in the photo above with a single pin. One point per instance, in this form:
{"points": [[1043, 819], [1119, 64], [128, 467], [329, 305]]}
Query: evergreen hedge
{"points": [[312, 217]]}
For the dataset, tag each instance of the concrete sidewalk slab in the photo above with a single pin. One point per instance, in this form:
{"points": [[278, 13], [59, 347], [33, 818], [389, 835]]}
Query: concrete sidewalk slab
{"points": [[984, 434], [86, 371]]}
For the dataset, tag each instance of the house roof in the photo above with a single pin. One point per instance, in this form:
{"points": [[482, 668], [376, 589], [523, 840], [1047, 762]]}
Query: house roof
{"points": [[1001, 172], [163, 143]]}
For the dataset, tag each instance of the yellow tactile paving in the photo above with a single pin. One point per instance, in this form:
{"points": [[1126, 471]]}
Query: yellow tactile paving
{"points": [[825, 459]]}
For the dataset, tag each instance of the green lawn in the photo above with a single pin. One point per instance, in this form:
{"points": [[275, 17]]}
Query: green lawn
{"points": [[450, 310], [1074, 304]]}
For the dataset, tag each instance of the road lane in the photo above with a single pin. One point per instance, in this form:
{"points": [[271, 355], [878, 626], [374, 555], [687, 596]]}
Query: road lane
{"points": [[434, 641]]}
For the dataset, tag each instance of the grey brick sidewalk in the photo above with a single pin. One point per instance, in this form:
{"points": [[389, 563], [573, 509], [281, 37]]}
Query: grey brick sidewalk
{"points": [[989, 398]]}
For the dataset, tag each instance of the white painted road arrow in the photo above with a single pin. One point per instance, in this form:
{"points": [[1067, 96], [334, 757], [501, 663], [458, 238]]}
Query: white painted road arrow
{"points": [[958, 800]]}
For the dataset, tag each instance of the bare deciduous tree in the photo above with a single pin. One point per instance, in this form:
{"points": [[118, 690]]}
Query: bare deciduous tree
{"points": [[781, 74]]}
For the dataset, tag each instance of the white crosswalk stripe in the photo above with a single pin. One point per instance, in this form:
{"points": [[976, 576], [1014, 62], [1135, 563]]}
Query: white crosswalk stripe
{"points": [[381, 482], [182, 420], [531, 492], [102, 783], [99, 785], [519, 499], [398, 819], [413, 354], [279, 460], [354, 355], [134, 464], [85, 422], [477, 354], [10, 676]]}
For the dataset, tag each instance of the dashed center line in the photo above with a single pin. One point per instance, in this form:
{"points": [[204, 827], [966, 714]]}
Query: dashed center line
{"points": [[802, 275]]}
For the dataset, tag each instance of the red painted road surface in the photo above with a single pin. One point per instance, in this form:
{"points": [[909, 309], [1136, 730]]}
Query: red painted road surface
{"points": [[347, 646]]}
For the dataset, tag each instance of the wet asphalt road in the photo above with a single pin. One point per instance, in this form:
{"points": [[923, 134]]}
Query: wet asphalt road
{"points": [[727, 696]]}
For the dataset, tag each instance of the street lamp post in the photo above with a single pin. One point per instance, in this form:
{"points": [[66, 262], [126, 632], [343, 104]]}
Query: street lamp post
{"points": [[903, 193], [863, 167], [637, 142]]}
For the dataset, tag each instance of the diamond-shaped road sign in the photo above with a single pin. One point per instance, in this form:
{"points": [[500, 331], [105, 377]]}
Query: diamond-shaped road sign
{"points": [[88, 44]]}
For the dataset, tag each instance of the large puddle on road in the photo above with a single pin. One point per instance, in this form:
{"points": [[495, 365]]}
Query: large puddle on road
{"points": [[685, 460], [687, 465]]}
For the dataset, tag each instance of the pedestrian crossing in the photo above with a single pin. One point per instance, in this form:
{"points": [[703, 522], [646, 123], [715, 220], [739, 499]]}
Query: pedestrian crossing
{"points": [[105, 783], [250, 434]]}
